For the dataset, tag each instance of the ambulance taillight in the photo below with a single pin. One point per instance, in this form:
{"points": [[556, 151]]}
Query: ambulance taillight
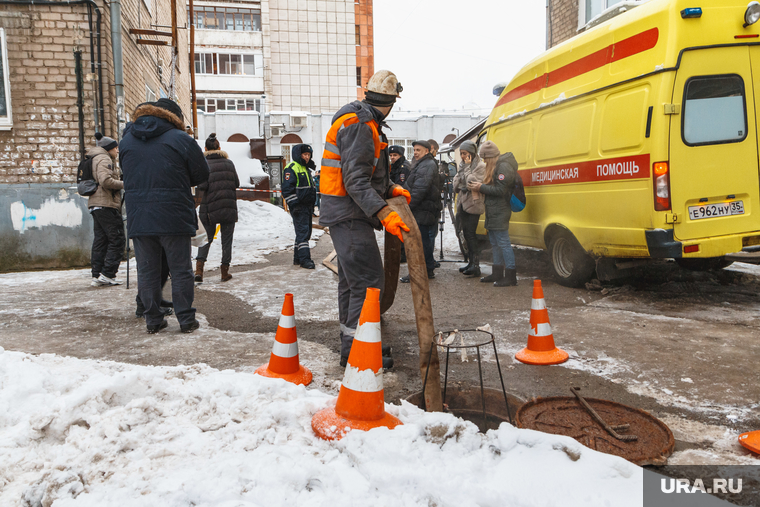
{"points": [[661, 186]]}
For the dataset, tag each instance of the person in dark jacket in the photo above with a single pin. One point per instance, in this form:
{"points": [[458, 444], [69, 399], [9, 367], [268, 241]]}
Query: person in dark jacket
{"points": [[497, 186], [400, 167], [161, 164], [300, 193], [425, 199], [218, 206]]}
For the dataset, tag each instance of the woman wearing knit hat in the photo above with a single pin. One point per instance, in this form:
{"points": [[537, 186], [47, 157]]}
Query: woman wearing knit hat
{"points": [[498, 184], [105, 208], [470, 205]]}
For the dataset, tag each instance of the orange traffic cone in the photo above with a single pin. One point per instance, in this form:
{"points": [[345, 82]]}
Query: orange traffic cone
{"points": [[283, 362], [751, 440], [540, 349], [361, 401]]}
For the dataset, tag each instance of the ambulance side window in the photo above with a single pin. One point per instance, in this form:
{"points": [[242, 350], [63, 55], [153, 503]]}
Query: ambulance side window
{"points": [[714, 110]]}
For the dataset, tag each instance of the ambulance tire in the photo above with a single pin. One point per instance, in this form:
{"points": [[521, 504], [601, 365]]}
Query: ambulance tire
{"points": [[707, 264], [573, 267]]}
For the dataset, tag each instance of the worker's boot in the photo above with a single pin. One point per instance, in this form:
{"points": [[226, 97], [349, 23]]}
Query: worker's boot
{"points": [[509, 280], [468, 266], [497, 273], [226, 276], [474, 269], [199, 270]]}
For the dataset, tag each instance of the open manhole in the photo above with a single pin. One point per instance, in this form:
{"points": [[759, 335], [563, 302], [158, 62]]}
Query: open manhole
{"points": [[467, 404], [566, 416]]}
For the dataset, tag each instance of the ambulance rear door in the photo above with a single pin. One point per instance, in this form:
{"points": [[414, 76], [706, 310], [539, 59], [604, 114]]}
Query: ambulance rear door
{"points": [[714, 182]]}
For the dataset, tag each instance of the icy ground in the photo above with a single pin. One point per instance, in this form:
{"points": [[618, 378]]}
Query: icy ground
{"points": [[97, 433], [262, 228]]}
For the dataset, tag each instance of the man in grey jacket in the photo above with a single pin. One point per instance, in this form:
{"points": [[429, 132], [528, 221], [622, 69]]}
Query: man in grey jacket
{"points": [[355, 181]]}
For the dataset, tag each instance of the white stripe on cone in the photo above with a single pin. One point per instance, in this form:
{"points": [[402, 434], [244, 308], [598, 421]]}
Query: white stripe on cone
{"points": [[538, 304], [364, 381], [541, 330], [287, 321], [285, 350], [369, 332]]}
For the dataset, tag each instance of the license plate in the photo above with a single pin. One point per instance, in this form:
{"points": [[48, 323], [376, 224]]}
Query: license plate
{"points": [[719, 209]]}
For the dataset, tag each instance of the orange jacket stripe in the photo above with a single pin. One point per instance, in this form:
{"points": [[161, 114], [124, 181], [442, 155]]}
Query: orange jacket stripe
{"points": [[331, 172]]}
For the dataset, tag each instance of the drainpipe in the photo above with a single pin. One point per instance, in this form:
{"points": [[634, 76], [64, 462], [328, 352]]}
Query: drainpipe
{"points": [[118, 66]]}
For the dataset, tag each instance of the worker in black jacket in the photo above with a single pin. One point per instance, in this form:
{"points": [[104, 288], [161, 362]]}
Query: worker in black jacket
{"points": [[300, 193]]}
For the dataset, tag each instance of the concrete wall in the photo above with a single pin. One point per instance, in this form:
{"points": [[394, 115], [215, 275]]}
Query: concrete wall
{"points": [[43, 226]]}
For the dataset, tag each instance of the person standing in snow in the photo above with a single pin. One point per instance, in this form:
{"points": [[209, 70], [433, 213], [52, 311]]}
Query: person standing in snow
{"points": [[355, 183], [425, 200], [470, 204], [497, 187], [218, 206], [300, 193], [161, 164], [105, 208], [400, 167]]}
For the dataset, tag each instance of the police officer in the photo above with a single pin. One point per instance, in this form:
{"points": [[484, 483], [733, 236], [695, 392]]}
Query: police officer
{"points": [[400, 167], [300, 193], [355, 181]]}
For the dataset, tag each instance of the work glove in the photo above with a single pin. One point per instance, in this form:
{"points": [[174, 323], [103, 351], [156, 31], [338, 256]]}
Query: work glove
{"points": [[392, 222], [399, 190]]}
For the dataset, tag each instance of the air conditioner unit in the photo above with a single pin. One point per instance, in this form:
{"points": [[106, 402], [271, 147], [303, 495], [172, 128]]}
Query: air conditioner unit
{"points": [[160, 65], [298, 121], [277, 130]]}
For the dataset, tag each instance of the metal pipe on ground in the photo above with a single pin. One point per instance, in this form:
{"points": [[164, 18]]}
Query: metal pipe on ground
{"points": [[423, 308]]}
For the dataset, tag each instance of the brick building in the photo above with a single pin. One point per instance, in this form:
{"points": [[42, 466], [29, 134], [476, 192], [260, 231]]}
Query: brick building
{"points": [[567, 18], [43, 125]]}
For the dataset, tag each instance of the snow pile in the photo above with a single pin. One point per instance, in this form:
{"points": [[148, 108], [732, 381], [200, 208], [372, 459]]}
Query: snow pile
{"points": [[91, 433], [246, 167], [261, 229]]}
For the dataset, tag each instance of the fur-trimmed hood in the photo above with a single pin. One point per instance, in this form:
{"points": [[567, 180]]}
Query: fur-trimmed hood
{"points": [[216, 154], [151, 110]]}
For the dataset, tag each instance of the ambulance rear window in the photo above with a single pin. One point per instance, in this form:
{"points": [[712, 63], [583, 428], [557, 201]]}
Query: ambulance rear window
{"points": [[714, 110]]}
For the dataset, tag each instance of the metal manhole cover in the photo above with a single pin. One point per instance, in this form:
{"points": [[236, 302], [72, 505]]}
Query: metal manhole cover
{"points": [[566, 416]]}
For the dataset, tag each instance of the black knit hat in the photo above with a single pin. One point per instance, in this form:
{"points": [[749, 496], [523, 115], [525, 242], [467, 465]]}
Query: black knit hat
{"points": [[397, 149], [104, 142], [170, 106]]}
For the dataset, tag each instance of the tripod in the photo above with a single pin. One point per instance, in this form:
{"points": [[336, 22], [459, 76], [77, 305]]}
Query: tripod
{"points": [[447, 199]]}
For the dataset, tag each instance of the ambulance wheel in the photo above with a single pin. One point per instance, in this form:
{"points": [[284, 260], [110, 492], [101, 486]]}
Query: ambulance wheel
{"points": [[707, 264], [573, 267]]}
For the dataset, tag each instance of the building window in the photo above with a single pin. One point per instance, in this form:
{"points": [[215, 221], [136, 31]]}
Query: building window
{"points": [[589, 9], [358, 34], [406, 144], [227, 18], [150, 95], [6, 119], [212, 105], [358, 76], [227, 64]]}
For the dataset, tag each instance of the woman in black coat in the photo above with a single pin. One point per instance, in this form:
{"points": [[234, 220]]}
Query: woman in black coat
{"points": [[218, 206]]}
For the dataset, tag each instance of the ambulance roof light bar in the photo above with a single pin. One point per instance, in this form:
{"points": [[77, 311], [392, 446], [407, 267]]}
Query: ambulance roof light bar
{"points": [[752, 14]]}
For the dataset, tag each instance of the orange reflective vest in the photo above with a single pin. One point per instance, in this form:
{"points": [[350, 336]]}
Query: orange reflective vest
{"points": [[331, 172]]}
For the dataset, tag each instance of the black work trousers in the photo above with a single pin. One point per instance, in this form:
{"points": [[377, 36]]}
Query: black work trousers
{"points": [[360, 267], [428, 245], [302, 224], [164, 278], [469, 224], [228, 231], [179, 259], [109, 242]]}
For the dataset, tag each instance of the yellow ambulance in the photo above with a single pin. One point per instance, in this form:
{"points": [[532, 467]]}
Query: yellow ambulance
{"points": [[638, 138]]}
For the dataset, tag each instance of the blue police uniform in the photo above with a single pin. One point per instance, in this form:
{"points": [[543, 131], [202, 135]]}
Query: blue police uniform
{"points": [[300, 193]]}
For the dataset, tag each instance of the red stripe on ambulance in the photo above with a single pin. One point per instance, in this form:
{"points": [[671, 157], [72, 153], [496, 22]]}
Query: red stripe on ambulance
{"points": [[610, 169]]}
